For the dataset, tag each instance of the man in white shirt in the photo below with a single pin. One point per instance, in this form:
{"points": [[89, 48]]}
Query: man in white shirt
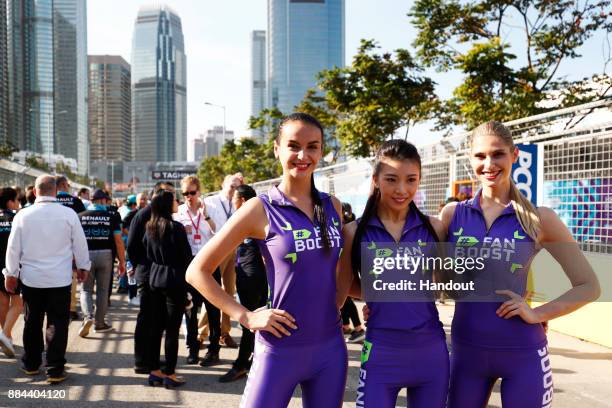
{"points": [[220, 208], [43, 242], [200, 229]]}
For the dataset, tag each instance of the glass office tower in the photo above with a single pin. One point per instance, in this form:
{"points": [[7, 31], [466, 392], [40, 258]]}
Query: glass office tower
{"points": [[47, 78], [70, 80], [30, 74], [159, 93], [3, 75], [258, 77], [304, 37]]}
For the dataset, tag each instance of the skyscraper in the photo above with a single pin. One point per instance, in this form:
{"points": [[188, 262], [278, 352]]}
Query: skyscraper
{"points": [[70, 80], [30, 65], [258, 76], [47, 77], [304, 37], [3, 75], [159, 80], [110, 108]]}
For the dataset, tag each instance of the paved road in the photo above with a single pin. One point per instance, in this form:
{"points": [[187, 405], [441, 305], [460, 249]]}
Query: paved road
{"points": [[101, 374]]}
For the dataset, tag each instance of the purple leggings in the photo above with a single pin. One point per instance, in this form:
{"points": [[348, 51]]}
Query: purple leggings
{"points": [[319, 369], [387, 368], [526, 377]]}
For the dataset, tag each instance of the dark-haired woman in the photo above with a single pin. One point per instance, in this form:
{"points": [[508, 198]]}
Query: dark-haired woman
{"points": [[11, 304], [299, 338], [168, 250], [252, 287], [506, 336], [405, 345]]}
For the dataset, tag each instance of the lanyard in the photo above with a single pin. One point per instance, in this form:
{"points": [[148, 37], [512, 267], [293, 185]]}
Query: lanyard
{"points": [[227, 213], [196, 226]]}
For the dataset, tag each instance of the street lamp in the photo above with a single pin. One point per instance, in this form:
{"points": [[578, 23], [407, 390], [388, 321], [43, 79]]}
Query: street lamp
{"points": [[222, 107], [49, 138]]}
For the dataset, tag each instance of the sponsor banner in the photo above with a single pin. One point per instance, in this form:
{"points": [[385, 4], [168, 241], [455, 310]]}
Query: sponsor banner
{"points": [[525, 171], [170, 175]]}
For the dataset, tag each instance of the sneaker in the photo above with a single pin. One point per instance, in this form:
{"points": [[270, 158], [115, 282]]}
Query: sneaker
{"points": [[6, 345], [356, 336], [58, 378], [85, 327], [210, 359], [233, 375], [135, 301], [102, 329], [227, 341]]}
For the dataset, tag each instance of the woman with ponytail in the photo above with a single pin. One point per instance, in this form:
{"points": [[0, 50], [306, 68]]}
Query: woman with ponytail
{"points": [[298, 230], [405, 344], [506, 337]]}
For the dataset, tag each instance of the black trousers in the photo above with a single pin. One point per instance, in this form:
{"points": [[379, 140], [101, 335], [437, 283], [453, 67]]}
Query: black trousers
{"points": [[253, 294], [214, 321], [168, 307], [55, 303], [349, 312], [191, 317], [144, 323]]}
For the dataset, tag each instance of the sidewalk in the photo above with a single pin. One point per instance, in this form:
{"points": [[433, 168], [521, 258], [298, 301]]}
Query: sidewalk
{"points": [[100, 369]]}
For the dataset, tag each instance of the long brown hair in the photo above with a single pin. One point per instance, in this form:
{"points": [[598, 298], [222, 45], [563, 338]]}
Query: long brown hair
{"points": [[526, 213], [319, 210]]}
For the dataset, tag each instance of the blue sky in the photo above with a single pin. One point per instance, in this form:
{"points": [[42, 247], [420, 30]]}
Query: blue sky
{"points": [[217, 42]]}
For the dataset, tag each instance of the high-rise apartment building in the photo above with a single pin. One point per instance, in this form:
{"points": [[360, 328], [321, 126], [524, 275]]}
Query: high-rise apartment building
{"points": [[110, 108], [258, 77], [159, 80], [304, 38]]}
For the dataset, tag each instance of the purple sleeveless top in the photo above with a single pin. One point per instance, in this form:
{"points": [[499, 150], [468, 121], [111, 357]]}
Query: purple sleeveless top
{"points": [[301, 272], [476, 323], [407, 322]]}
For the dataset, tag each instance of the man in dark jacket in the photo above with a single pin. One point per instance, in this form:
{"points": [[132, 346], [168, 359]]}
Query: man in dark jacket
{"points": [[68, 200], [138, 257]]}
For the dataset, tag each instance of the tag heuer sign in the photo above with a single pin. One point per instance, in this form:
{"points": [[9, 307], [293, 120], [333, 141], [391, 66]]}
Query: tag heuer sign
{"points": [[171, 175]]}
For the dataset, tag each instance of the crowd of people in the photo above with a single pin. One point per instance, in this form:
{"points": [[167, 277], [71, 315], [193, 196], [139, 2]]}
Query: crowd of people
{"points": [[294, 256]]}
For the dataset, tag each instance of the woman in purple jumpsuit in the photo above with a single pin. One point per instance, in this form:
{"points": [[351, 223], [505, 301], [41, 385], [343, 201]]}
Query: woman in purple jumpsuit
{"points": [[298, 229], [405, 344], [506, 337]]}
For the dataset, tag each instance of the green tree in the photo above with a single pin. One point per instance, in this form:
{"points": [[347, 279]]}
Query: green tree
{"points": [[267, 122], [37, 162], [503, 82], [7, 149], [375, 96], [315, 104], [255, 161]]}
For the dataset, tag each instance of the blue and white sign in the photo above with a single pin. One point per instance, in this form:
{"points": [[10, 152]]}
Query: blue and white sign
{"points": [[525, 171]]}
